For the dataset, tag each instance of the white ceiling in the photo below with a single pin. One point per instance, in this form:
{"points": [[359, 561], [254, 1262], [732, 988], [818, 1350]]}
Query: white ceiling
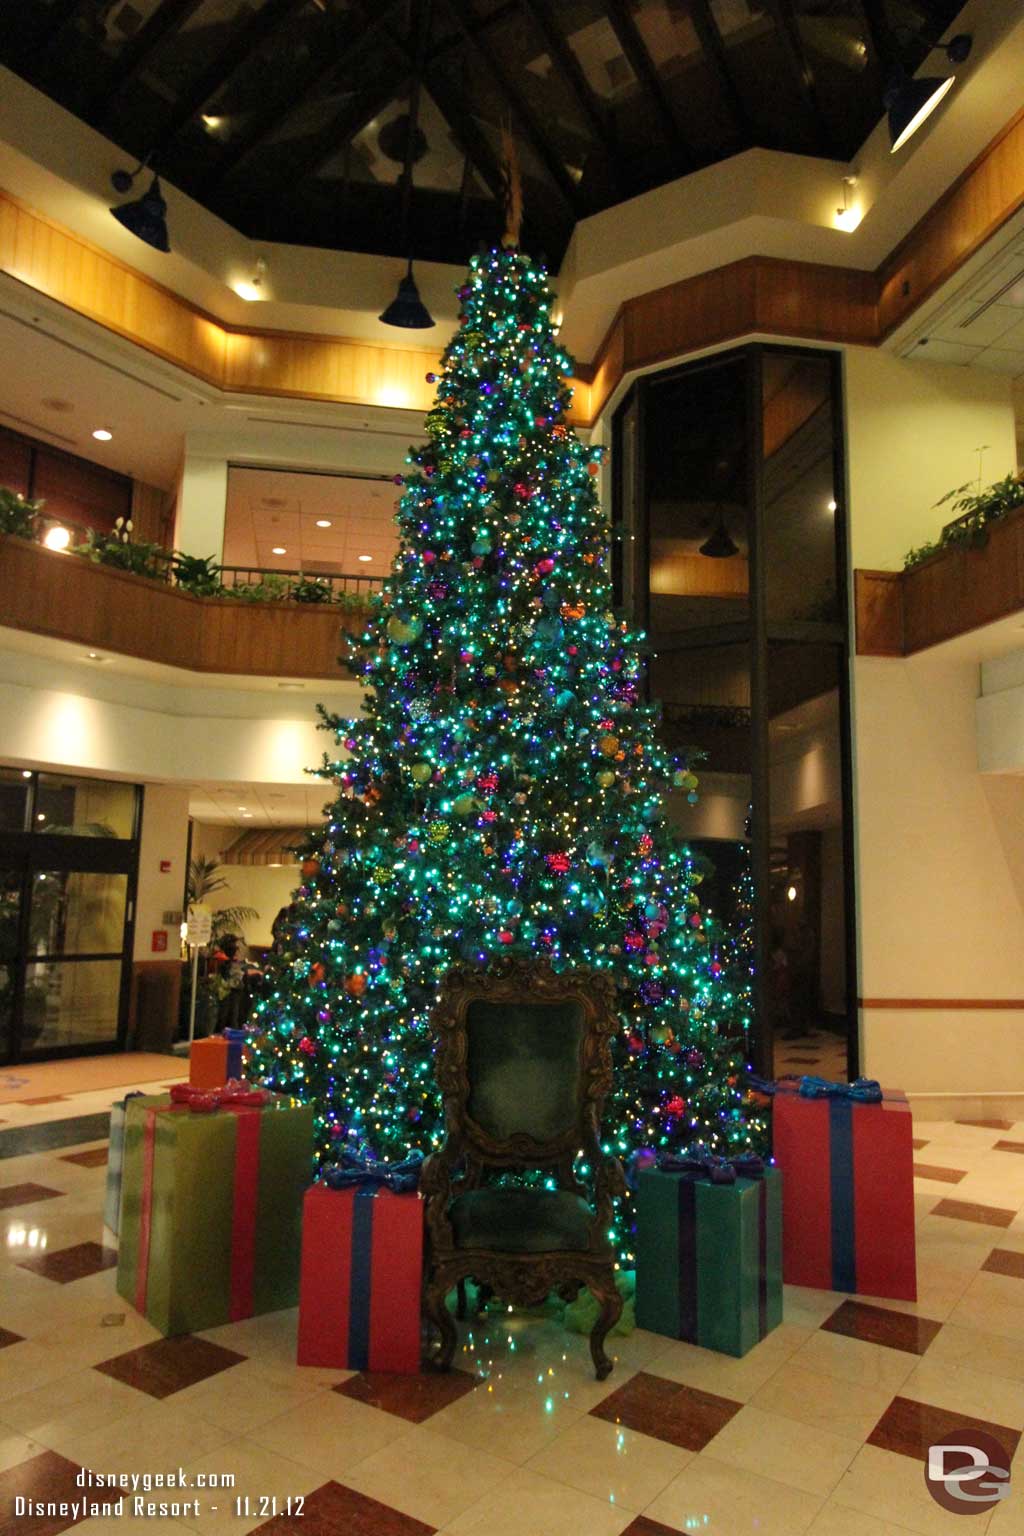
{"points": [[270, 508], [248, 806], [977, 319]]}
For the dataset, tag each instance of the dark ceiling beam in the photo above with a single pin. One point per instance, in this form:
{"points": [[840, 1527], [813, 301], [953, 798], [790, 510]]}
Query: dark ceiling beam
{"points": [[717, 55], [452, 40], [346, 125], [788, 33], [345, 51], [219, 71], [569, 67], [642, 65], [57, 23], [469, 137], [520, 109], [883, 45], [170, 16]]}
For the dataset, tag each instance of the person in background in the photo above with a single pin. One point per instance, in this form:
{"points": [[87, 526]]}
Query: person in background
{"points": [[232, 1007]]}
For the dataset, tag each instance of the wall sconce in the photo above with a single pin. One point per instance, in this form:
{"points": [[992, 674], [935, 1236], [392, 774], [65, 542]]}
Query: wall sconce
{"points": [[252, 289], [849, 214]]}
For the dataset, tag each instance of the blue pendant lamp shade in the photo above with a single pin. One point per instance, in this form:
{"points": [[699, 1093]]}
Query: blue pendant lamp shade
{"points": [[146, 217], [407, 310]]}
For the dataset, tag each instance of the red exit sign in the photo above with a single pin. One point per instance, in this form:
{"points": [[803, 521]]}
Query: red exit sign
{"points": [[159, 944]]}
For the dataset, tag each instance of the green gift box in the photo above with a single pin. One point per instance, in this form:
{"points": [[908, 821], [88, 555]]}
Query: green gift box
{"points": [[211, 1206], [709, 1257]]}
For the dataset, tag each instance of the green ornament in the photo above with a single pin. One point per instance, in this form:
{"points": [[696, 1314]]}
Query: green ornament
{"points": [[402, 631], [438, 832], [421, 773], [467, 805]]}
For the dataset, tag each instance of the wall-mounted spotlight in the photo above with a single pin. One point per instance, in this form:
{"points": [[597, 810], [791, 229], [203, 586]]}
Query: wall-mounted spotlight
{"points": [[253, 289], [146, 216], [848, 215], [909, 102]]}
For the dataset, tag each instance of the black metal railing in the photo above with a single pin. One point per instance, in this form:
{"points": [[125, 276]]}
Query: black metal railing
{"points": [[274, 580]]}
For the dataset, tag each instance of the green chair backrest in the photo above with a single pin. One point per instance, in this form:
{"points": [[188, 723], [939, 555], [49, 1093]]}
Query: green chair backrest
{"points": [[524, 1068]]}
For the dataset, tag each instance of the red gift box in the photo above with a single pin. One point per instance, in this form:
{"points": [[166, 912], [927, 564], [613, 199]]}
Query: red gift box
{"points": [[848, 1193], [361, 1279]]}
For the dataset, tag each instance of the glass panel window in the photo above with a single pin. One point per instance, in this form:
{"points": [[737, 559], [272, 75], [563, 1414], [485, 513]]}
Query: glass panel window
{"points": [[799, 489], [10, 923], [84, 807], [69, 1003], [15, 786], [77, 913]]}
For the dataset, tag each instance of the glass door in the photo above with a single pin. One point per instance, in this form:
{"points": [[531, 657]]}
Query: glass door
{"points": [[76, 938]]}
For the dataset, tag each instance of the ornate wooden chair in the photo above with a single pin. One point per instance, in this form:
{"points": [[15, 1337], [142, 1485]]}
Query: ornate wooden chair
{"points": [[523, 1064]]}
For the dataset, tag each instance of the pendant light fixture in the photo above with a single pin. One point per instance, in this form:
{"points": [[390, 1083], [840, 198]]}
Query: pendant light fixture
{"points": [[911, 101], [719, 544], [407, 310], [146, 216]]}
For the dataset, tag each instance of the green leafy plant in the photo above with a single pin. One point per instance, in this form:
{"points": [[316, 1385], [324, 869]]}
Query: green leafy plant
{"points": [[119, 550], [974, 509], [272, 589], [353, 602], [205, 879], [196, 574], [18, 515], [306, 590]]}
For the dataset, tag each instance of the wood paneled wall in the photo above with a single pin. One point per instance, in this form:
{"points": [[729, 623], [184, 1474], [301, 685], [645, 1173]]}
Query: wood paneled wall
{"points": [[954, 591], [107, 610]]}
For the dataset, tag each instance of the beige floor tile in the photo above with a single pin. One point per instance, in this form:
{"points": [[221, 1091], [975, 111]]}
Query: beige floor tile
{"points": [[258, 1474], [838, 1520], [157, 1434], [724, 1375], [799, 1455], [16, 1447], [720, 1500], [329, 1433], [867, 1365], [885, 1480], [976, 1393], [615, 1464], [430, 1477], [808, 1308], [271, 1341], [992, 1353], [531, 1505], [247, 1395], [923, 1203], [28, 1365], [841, 1406], [507, 1421], [992, 1303], [82, 1401]]}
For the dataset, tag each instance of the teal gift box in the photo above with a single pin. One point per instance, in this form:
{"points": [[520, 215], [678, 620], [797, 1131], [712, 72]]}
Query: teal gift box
{"points": [[709, 1256]]}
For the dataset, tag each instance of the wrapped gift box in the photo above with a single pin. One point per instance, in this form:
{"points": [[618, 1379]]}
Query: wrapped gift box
{"points": [[211, 1205], [709, 1256], [216, 1060], [362, 1273], [848, 1211], [115, 1162]]}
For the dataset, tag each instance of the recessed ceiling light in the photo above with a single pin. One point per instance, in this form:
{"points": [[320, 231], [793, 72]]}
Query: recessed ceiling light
{"points": [[832, 506], [211, 121], [26, 773], [40, 816], [365, 559], [247, 815], [292, 686], [278, 549], [95, 656], [57, 537], [243, 807], [323, 522], [102, 435]]}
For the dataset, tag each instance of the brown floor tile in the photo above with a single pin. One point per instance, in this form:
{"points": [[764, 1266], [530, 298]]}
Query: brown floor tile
{"points": [[917, 1144], [335, 1510], [642, 1526], [1003, 1261], [940, 1175], [47, 1477], [66, 1264], [881, 1325], [93, 1157], [968, 1210], [1009, 1146], [26, 1194], [416, 1398], [989, 1125], [680, 1415], [7, 1337], [47, 1098], [910, 1428], [167, 1365]]}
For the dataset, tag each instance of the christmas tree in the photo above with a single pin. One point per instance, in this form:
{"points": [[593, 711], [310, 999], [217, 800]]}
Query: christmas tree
{"points": [[502, 791]]}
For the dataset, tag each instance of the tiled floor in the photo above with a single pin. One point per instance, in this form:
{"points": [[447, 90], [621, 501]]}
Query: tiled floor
{"points": [[821, 1429]]}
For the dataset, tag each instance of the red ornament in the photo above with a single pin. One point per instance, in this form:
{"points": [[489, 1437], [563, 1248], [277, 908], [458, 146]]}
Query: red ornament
{"points": [[505, 936], [675, 1106], [635, 1043], [487, 782], [544, 567], [307, 1045], [634, 941], [559, 862], [429, 557], [716, 969], [316, 972], [694, 919]]}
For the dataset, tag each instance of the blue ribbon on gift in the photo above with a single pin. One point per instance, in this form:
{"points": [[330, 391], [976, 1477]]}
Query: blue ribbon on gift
{"points": [[720, 1170], [864, 1090], [354, 1172]]}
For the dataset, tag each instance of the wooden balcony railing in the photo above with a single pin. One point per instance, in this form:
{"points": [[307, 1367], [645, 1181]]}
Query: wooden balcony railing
{"points": [[950, 593], [107, 610]]}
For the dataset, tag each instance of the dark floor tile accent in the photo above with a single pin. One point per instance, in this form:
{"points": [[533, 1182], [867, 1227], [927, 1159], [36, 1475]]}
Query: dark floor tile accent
{"points": [[7, 1337], [989, 1125], [1003, 1261], [26, 1194], [47, 1098], [918, 1144], [93, 1157], [881, 1325], [667, 1410], [910, 1428], [48, 1135], [66, 1264], [46, 1477], [940, 1175], [1009, 1146], [416, 1398], [167, 1365], [644, 1526], [335, 1510], [968, 1210]]}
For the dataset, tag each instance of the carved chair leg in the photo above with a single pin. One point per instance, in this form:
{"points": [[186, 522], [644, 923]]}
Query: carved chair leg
{"points": [[606, 1294], [436, 1308]]}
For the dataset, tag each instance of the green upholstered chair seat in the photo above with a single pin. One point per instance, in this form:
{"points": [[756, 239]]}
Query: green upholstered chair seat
{"points": [[521, 1220]]}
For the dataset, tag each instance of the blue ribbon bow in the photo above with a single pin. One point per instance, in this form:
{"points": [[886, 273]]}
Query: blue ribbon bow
{"points": [[354, 1172], [720, 1170], [865, 1090]]}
